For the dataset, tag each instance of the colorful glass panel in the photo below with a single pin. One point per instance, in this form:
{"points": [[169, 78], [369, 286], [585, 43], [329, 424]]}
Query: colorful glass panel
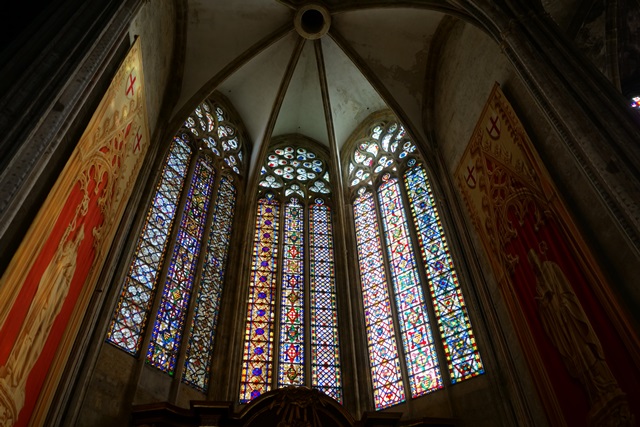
{"points": [[325, 358], [296, 170], [167, 330], [198, 356], [385, 148], [419, 350], [383, 354], [209, 123], [463, 357], [139, 286], [258, 341], [292, 334]]}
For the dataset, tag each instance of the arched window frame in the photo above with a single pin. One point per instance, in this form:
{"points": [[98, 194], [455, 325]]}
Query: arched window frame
{"points": [[312, 372], [219, 140], [372, 185]]}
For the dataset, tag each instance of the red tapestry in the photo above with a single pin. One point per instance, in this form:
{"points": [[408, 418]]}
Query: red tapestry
{"points": [[47, 286], [582, 353]]}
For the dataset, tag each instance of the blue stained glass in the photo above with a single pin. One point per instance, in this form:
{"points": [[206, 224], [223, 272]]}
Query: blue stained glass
{"points": [[139, 286], [383, 354], [325, 363], [200, 345], [419, 350], [463, 357], [167, 331]]}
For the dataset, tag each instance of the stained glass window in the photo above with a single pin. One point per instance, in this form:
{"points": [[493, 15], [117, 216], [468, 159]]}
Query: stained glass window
{"points": [[419, 351], [383, 353], [167, 331], [463, 357], [139, 285], [325, 360], [635, 102], [257, 359], [402, 217], [207, 154], [305, 352], [292, 333], [198, 362]]}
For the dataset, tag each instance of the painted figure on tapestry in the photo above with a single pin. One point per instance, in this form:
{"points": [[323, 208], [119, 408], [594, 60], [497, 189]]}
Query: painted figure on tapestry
{"points": [[568, 327], [52, 276], [51, 293], [575, 340]]}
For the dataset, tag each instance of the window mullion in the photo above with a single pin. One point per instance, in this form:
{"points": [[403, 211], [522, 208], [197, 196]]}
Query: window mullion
{"points": [[307, 293], [277, 327], [258, 348], [162, 277], [424, 280], [392, 293], [174, 306], [197, 279]]}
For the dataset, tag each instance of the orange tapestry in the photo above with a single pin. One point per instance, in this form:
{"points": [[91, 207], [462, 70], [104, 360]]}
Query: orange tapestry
{"points": [[582, 354], [46, 289]]}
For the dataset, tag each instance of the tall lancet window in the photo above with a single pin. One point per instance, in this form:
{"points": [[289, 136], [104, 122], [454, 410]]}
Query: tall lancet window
{"points": [[416, 319], [171, 293], [291, 329]]}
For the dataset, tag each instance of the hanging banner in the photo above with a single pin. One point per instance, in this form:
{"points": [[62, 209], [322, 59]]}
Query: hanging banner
{"points": [[47, 287], [582, 354]]}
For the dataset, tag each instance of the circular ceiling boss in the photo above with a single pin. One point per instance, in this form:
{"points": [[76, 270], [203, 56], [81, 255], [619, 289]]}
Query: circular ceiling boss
{"points": [[312, 21]]}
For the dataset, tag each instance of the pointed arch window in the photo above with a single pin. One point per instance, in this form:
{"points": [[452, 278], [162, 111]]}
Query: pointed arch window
{"points": [[415, 315], [291, 333], [181, 252]]}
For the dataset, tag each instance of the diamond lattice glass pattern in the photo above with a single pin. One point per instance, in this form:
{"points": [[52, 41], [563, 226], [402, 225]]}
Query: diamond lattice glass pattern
{"points": [[306, 330], [325, 358], [384, 154], [413, 319], [463, 357], [208, 145], [383, 353], [138, 289]]}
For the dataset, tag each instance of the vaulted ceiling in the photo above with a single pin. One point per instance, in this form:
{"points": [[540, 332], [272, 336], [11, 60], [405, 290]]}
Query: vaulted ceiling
{"points": [[273, 60], [280, 70]]}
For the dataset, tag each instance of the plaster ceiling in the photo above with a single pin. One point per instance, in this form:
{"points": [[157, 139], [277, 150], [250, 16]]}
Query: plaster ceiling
{"points": [[372, 58]]}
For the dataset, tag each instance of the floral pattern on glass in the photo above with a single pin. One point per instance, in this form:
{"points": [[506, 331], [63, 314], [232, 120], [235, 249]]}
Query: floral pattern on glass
{"points": [[297, 170], [210, 123], [382, 150]]}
